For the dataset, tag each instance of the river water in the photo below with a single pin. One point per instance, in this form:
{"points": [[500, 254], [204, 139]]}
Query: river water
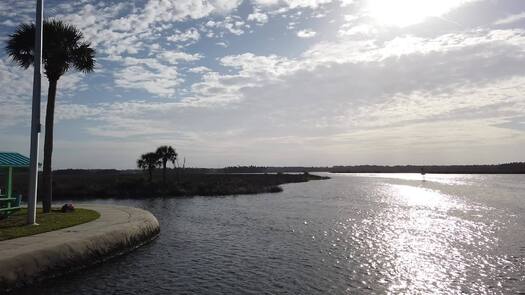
{"points": [[351, 234]]}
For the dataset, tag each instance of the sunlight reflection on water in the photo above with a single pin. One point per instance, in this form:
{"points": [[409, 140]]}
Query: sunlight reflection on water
{"points": [[414, 196], [352, 234], [449, 179], [419, 244], [419, 238]]}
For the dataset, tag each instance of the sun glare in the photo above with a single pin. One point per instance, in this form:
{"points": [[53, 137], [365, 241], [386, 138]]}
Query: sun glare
{"points": [[408, 12]]}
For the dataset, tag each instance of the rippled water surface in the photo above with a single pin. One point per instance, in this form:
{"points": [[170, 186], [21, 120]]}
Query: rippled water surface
{"points": [[354, 233]]}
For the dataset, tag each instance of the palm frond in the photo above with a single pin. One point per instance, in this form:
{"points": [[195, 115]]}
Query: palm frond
{"points": [[84, 58], [63, 48], [166, 153], [21, 44]]}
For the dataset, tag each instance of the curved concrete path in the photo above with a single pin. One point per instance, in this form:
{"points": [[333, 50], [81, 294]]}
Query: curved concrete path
{"points": [[118, 230]]}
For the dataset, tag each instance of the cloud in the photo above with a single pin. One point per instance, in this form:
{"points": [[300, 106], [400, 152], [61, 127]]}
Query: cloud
{"points": [[306, 33], [358, 91], [158, 75], [66, 110], [331, 90], [431, 63], [230, 24], [364, 30], [15, 12], [96, 22], [156, 11], [174, 57], [349, 50], [122, 28], [510, 19], [292, 4], [199, 70], [403, 13], [192, 35], [258, 17], [150, 75], [17, 89]]}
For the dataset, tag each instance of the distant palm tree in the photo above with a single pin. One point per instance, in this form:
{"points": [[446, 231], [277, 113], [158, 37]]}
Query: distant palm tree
{"points": [[165, 154], [63, 49], [149, 162], [141, 163]]}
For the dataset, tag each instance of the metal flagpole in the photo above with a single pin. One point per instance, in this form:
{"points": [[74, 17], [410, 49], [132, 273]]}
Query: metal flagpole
{"points": [[35, 119]]}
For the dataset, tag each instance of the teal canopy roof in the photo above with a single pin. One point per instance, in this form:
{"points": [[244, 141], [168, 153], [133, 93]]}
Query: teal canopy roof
{"points": [[13, 160]]}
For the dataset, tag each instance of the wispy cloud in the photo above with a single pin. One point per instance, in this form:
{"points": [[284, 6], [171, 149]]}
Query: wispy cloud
{"points": [[510, 19], [306, 33], [191, 35], [258, 17]]}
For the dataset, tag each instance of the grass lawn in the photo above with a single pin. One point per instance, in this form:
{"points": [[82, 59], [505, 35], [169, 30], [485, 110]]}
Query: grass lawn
{"points": [[14, 226]]}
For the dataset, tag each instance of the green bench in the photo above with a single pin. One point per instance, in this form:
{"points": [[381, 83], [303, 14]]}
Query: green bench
{"points": [[9, 206], [8, 203]]}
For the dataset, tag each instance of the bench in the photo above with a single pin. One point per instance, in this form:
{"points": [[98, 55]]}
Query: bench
{"points": [[9, 206]]}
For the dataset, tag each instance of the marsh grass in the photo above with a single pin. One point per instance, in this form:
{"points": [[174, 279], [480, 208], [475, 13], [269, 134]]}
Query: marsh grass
{"points": [[102, 184]]}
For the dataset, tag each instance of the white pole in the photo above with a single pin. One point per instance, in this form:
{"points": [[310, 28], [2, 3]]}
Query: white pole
{"points": [[35, 119]]}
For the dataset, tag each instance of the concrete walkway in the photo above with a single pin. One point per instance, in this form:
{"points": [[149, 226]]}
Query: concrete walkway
{"points": [[118, 230]]}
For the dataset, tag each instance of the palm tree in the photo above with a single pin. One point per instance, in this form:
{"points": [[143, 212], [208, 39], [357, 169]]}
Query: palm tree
{"points": [[141, 163], [165, 154], [149, 161], [63, 49]]}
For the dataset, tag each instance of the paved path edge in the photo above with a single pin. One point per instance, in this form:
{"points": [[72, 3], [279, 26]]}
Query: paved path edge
{"points": [[119, 229]]}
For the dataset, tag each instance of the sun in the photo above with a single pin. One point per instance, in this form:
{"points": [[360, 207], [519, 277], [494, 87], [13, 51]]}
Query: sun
{"points": [[403, 13]]}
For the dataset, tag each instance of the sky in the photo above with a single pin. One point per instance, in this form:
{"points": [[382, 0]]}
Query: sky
{"points": [[281, 82]]}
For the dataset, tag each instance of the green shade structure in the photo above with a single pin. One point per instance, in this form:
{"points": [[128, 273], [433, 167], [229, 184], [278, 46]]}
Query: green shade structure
{"points": [[8, 161], [14, 160]]}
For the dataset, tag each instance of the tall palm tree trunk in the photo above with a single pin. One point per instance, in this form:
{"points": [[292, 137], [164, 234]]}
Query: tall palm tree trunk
{"points": [[48, 147]]}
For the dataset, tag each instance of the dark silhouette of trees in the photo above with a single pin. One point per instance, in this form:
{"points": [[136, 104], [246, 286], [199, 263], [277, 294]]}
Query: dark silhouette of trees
{"points": [[141, 163], [148, 162], [507, 168], [166, 153], [159, 158], [63, 49]]}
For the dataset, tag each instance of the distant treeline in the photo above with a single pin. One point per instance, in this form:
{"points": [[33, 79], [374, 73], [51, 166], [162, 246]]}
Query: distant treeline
{"points": [[508, 168], [262, 169]]}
